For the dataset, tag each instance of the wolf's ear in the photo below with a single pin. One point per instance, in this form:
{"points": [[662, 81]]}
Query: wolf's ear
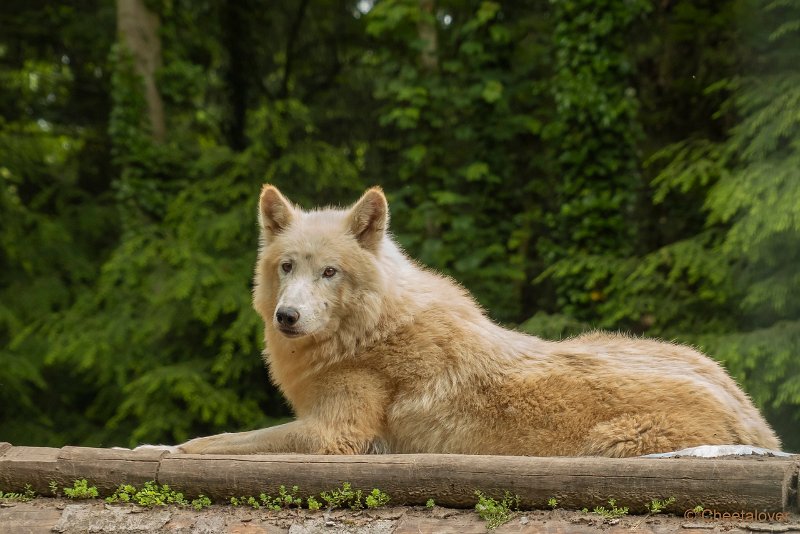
{"points": [[369, 218], [275, 212]]}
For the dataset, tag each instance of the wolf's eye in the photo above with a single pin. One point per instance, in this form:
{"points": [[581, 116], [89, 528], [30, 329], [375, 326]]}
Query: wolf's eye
{"points": [[328, 272], [286, 267]]}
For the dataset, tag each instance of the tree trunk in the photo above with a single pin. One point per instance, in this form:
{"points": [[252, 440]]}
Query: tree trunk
{"points": [[138, 31], [426, 29]]}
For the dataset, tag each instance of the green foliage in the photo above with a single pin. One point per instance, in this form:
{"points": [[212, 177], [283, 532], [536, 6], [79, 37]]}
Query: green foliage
{"points": [[553, 326], [344, 497], [576, 165], [376, 498], [246, 501], [200, 502], [552, 502], [430, 503], [285, 499], [595, 134], [313, 504], [609, 514], [81, 490], [25, 496], [450, 131], [751, 196], [495, 512], [153, 495], [657, 506], [124, 493], [288, 499], [55, 212]]}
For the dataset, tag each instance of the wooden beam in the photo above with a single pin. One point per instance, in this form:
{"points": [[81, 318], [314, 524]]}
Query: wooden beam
{"points": [[26, 465], [104, 468], [725, 484], [108, 468]]}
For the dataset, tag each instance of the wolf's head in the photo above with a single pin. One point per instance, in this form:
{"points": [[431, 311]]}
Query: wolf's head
{"points": [[317, 270]]}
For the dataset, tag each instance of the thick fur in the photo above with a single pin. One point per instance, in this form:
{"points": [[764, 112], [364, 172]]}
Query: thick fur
{"points": [[387, 356]]}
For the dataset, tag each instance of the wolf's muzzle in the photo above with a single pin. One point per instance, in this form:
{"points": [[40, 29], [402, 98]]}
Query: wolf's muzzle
{"points": [[287, 316]]}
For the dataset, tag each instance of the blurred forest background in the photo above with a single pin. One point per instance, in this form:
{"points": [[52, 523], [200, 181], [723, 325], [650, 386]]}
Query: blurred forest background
{"points": [[631, 165]]}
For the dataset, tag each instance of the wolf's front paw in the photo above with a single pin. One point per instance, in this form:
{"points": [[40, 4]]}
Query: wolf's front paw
{"points": [[168, 448], [217, 444]]}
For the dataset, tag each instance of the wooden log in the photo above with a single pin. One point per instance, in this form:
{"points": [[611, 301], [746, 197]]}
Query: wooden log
{"points": [[451, 480], [28, 465], [103, 468], [725, 484], [108, 468]]}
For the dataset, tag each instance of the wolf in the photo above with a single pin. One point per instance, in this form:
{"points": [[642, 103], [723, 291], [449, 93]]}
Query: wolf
{"points": [[378, 354]]}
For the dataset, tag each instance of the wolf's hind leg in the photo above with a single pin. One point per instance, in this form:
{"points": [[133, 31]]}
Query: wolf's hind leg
{"points": [[634, 435]]}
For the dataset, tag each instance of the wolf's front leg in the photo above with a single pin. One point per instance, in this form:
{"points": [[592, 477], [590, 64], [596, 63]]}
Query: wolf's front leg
{"points": [[347, 417], [280, 438], [302, 436]]}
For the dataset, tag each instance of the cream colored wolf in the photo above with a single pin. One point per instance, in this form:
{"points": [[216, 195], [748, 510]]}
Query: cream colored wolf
{"points": [[378, 354]]}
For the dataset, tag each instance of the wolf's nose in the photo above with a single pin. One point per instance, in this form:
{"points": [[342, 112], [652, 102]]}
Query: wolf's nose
{"points": [[287, 316]]}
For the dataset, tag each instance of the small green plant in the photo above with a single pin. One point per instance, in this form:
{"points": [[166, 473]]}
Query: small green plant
{"points": [[698, 509], [154, 495], [376, 499], [150, 495], [201, 502], [25, 496], [552, 502], [494, 512], [247, 501], [585, 510], [268, 502], [81, 490], [430, 503], [290, 499], [54, 488], [343, 497], [609, 514], [657, 506], [347, 497], [313, 504], [124, 493], [287, 499]]}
